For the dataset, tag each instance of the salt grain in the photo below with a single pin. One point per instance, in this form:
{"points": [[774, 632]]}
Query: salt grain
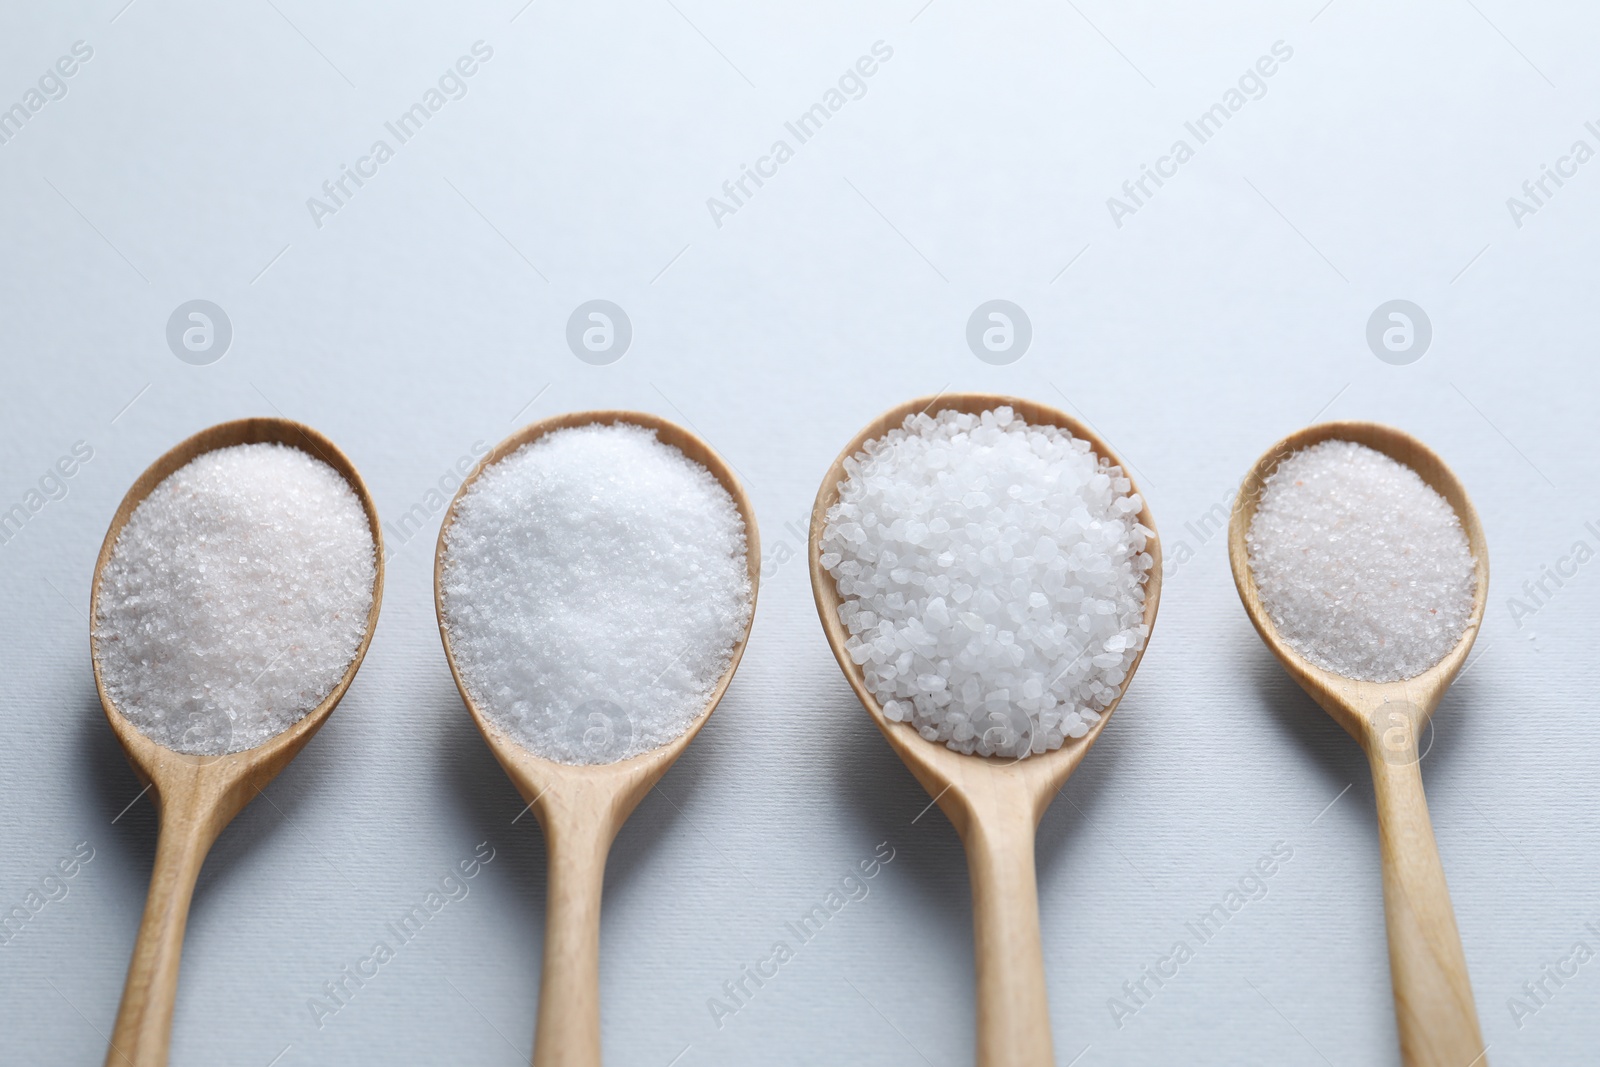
{"points": [[1363, 568], [594, 588], [992, 578], [234, 599]]}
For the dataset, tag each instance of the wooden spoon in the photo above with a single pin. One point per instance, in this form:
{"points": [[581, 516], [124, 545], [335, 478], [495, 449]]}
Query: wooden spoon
{"points": [[994, 804], [1432, 996], [581, 808], [199, 795]]}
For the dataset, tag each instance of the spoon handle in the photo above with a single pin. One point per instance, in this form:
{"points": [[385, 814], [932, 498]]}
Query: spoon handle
{"points": [[568, 1034], [144, 1022], [1433, 1002], [1013, 1002]]}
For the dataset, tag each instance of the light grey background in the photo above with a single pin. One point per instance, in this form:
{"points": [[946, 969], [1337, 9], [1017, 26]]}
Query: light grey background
{"points": [[430, 313]]}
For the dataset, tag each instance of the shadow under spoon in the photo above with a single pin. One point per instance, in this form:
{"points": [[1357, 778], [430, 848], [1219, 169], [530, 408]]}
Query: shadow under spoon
{"points": [[197, 796], [1433, 1001]]}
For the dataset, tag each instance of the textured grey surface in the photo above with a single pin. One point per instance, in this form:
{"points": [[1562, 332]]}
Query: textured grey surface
{"points": [[430, 312]]}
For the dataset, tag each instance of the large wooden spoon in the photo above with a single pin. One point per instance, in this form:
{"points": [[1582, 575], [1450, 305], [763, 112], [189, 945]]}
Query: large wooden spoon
{"points": [[581, 808], [1433, 1002], [199, 795], [994, 804]]}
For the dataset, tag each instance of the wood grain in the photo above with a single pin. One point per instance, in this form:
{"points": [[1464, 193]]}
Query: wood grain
{"points": [[1434, 1007], [994, 804], [197, 796], [581, 808]]}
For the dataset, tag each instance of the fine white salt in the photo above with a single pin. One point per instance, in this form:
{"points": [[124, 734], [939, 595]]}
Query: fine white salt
{"points": [[1363, 567], [992, 577], [594, 588], [235, 598]]}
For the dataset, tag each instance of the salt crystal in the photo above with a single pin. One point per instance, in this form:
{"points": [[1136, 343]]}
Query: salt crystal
{"points": [[594, 588], [1362, 566], [1026, 528], [234, 599]]}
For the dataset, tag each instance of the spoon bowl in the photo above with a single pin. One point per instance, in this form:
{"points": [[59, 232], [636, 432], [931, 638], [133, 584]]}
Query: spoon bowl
{"points": [[1434, 1006], [197, 796], [1351, 702], [995, 804], [582, 807]]}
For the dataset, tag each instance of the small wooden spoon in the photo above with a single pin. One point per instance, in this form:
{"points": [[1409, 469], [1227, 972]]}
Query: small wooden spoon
{"points": [[198, 796], [1432, 995], [581, 808], [994, 804]]}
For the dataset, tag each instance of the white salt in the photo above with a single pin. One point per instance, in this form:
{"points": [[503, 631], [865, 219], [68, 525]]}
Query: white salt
{"points": [[1363, 567], [992, 577], [235, 598], [594, 588]]}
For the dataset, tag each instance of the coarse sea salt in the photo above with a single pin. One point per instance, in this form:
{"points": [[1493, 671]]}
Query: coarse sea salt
{"points": [[1362, 566], [594, 589], [235, 598], [992, 577]]}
